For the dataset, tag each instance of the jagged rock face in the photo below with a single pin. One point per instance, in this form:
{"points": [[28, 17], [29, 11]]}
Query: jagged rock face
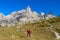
{"points": [[22, 16], [25, 15], [1, 16], [49, 16]]}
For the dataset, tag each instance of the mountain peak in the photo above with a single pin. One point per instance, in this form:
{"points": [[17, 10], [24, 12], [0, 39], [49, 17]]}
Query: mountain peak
{"points": [[42, 13], [29, 9], [22, 16]]}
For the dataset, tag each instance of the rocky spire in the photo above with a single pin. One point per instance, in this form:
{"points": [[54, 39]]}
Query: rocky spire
{"points": [[42, 13], [1, 15], [28, 9]]}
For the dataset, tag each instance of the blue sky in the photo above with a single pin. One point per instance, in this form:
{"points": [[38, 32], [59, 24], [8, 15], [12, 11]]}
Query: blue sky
{"points": [[8, 6]]}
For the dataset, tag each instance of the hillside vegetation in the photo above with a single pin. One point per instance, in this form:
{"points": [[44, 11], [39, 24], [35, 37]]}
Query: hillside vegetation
{"points": [[41, 30]]}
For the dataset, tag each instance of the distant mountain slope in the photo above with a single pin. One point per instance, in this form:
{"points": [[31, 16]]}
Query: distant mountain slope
{"points": [[23, 16]]}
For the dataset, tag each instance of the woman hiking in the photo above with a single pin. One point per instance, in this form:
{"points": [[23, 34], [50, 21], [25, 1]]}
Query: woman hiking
{"points": [[28, 32]]}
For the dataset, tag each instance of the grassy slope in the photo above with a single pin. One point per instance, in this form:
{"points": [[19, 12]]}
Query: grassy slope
{"points": [[38, 32]]}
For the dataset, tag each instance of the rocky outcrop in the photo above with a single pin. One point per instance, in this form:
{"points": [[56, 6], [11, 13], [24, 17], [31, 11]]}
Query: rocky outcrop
{"points": [[23, 16]]}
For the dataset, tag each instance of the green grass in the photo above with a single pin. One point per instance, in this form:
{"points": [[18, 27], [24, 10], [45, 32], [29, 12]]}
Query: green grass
{"points": [[39, 32]]}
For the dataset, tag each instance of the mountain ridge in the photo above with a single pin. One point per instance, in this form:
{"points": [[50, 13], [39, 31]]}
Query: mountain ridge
{"points": [[23, 16]]}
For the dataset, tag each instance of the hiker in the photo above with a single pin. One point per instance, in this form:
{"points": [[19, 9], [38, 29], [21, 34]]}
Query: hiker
{"points": [[28, 33]]}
